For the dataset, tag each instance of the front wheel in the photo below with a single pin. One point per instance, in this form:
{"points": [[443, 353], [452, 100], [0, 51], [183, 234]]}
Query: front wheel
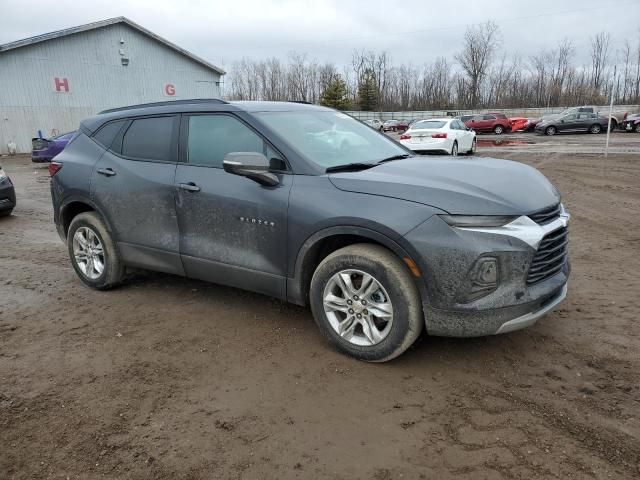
{"points": [[5, 213], [595, 128], [498, 130], [474, 146], [366, 303], [93, 252], [550, 131], [638, 128]]}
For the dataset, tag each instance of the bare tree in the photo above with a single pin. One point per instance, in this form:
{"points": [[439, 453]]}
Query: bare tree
{"points": [[599, 58], [479, 45]]}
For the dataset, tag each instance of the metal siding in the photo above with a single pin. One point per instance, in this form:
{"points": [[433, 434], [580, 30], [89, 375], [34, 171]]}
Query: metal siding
{"points": [[97, 80]]}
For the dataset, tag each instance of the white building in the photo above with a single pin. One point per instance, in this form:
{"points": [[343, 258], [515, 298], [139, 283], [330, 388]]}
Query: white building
{"points": [[50, 82]]}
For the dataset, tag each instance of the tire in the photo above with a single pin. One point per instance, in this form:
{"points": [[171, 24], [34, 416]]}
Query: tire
{"points": [[5, 213], [596, 128], [550, 131], [474, 146], [89, 226], [397, 293], [498, 129], [638, 128], [454, 149]]}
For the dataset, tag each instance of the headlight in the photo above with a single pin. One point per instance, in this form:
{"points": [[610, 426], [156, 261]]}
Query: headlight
{"points": [[478, 220], [2, 175]]}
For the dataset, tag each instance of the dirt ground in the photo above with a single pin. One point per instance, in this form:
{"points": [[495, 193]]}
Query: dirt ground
{"points": [[171, 378]]}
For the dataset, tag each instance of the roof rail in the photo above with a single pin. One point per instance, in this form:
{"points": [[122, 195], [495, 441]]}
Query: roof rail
{"points": [[300, 101], [164, 104]]}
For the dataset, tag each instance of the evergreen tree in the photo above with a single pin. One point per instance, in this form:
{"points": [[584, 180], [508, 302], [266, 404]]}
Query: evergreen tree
{"points": [[336, 95], [367, 93]]}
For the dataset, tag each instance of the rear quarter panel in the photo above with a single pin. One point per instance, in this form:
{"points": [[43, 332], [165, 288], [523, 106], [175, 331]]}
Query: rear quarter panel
{"points": [[73, 181]]}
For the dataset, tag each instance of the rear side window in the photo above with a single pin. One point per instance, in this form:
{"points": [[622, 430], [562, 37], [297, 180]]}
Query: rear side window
{"points": [[150, 139], [211, 137], [107, 133], [488, 117]]}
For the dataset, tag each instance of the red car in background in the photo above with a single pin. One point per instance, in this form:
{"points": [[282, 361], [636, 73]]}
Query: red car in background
{"points": [[519, 124], [497, 123], [395, 126]]}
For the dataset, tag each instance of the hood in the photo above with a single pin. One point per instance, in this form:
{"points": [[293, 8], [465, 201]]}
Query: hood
{"points": [[478, 186]]}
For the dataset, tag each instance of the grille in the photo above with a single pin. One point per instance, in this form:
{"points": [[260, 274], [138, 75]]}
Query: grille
{"points": [[550, 257], [547, 215]]}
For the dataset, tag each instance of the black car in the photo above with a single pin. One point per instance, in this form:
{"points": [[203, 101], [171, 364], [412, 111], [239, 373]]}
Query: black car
{"points": [[631, 123], [311, 206], [573, 123], [7, 194]]}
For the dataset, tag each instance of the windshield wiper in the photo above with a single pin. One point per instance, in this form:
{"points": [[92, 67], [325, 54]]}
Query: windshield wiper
{"points": [[347, 167], [395, 157]]}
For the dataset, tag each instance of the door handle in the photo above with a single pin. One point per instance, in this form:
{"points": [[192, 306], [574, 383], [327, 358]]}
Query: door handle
{"points": [[108, 172], [190, 187]]}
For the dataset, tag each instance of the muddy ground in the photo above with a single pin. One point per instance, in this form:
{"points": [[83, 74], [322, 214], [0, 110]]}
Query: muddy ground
{"points": [[171, 378]]}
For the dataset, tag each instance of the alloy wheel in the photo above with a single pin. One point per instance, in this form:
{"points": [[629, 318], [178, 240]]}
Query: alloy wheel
{"points": [[358, 307], [88, 253], [454, 150], [551, 131]]}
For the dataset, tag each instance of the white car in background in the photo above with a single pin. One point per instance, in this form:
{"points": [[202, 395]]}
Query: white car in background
{"points": [[375, 123], [444, 135]]}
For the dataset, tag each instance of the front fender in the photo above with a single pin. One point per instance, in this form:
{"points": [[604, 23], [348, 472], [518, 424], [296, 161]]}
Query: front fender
{"points": [[297, 286]]}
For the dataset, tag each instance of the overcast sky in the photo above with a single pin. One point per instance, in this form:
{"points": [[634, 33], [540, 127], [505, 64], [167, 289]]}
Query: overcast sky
{"points": [[329, 30]]}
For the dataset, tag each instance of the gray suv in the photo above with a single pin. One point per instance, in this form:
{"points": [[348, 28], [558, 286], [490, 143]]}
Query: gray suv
{"points": [[311, 206]]}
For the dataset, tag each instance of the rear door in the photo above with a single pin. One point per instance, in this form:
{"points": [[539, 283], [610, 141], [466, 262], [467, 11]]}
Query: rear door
{"points": [[232, 230], [132, 185]]}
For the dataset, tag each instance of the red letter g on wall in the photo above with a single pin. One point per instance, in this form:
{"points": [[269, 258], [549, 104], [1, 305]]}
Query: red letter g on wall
{"points": [[169, 90]]}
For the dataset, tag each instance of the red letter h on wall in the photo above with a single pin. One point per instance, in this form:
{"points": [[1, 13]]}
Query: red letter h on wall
{"points": [[61, 84]]}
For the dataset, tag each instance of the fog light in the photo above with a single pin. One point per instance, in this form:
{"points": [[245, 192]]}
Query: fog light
{"points": [[487, 271], [484, 278]]}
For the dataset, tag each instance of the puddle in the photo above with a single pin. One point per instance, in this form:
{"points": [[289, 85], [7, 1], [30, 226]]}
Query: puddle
{"points": [[503, 143]]}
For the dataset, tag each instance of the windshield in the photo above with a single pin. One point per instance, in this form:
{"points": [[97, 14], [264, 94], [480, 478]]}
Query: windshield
{"points": [[331, 138], [428, 124]]}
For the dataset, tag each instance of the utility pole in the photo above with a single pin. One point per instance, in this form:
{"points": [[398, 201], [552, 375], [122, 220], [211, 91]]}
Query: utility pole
{"points": [[613, 94]]}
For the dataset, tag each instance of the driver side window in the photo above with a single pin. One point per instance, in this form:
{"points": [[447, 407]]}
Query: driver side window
{"points": [[212, 137]]}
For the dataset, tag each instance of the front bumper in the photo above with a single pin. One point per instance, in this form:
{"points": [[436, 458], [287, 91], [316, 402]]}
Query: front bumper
{"points": [[450, 255], [7, 195]]}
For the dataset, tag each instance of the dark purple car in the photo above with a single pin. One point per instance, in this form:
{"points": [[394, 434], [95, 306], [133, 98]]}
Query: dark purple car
{"points": [[43, 149]]}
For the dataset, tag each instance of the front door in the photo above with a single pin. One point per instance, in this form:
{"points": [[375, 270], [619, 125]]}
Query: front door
{"points": [[132, 184], [568, 123], [233, 230]]}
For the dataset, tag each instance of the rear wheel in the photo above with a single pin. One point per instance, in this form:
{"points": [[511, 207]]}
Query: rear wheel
{"points": [[5, 213], [498, 129], [550, 131], [366, 303], [454, 149], [638, 128], [93, 252], [595, 128]]}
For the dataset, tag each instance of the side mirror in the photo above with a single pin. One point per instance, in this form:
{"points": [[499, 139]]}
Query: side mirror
{"points": [[252, 165], [468, 128]]}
